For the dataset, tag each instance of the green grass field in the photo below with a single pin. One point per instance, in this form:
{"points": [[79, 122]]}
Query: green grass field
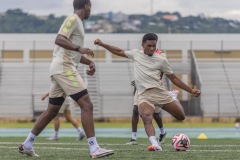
{"points": [[124, 125], [68, 148]]}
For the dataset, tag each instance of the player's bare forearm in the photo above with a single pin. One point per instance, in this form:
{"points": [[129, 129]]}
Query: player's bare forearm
{"points": [[85, 60], [63, 42], [91, 65], [176, 81], [114, 50]]}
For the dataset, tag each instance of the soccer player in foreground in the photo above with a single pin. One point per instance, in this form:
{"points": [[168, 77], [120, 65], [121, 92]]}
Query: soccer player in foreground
{"points": [[157, 113], [147, 67], [66, 81], [157, 117], [65, 109]]}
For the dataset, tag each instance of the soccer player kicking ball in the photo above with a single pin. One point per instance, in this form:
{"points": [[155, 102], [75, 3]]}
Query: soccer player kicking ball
{"points": [[157, 117], [66, 81], [147, 67]]}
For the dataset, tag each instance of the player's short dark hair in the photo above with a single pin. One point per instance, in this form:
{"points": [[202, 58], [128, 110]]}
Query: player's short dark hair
{"points": [[149, 36], [79, 4]]}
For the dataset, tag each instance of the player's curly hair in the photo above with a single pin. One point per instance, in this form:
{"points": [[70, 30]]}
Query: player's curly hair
{"points": [[79, 4], [149, 36]]}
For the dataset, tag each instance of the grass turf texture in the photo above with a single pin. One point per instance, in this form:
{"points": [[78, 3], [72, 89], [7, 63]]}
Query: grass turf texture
{"points": [[68, 148]]}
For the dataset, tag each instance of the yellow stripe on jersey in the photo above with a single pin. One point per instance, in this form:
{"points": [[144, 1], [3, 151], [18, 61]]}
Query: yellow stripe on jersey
{"points": [[72, 78], [69, 72], [65, 30], [72, 18], [75, 84], [68, 24]]}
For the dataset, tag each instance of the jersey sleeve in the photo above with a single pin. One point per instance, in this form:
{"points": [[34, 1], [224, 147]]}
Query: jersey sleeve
{"points": [[68, 26], [166, 68], [130, 53]]}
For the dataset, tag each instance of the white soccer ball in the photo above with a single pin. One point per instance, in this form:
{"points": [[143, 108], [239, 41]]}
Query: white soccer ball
{"points": [[181, 142]]}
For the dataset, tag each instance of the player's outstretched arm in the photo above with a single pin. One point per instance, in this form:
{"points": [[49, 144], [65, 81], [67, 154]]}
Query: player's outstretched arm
{"points": [[90, 63], [176, 81], [64, 42], [115, 50]]}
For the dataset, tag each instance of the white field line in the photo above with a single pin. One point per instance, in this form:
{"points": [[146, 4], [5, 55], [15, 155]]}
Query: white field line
{"points": [[104, 144], [86, 149]]}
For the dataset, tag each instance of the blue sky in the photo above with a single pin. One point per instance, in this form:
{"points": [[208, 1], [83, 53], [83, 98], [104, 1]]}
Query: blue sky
{"points": [[211, 8]]}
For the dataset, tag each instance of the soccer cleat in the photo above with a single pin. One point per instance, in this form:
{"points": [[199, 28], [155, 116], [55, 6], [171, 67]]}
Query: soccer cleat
{"points": [[53, 138], [132, 142], [29, 152], [154, 148], [101, 152], [81, 136], [161, 137]]}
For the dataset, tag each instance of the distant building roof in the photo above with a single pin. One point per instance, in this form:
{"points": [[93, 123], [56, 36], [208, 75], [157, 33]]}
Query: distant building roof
{"points": [[170, 17]]}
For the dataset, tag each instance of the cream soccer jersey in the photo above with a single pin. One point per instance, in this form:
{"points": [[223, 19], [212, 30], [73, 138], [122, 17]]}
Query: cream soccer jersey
{"points": [[147, 69], [65, 60]]}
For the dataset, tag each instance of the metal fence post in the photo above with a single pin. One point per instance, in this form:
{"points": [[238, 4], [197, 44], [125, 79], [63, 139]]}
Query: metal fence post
{"points": [[33, 78], [218, 97]]}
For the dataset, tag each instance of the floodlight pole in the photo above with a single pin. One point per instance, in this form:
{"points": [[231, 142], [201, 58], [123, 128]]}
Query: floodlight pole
{"points": [[151, 7]]}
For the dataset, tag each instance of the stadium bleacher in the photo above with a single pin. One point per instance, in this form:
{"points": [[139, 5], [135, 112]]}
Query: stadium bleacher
{"points": [[25, 73], [110, 89], [220, 87]]}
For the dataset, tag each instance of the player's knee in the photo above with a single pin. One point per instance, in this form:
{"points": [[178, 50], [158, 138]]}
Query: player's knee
{"points": [[55, 112], [181, 117], [68, 118], [52, 112], [87, 107], [53, 109], [146, 118]]}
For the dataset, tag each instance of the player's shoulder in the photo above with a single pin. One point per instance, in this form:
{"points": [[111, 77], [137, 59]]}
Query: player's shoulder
{"points": [[71, 18], [161, 53]]}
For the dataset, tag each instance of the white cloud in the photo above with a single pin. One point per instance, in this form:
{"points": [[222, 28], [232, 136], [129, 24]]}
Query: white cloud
{"points": [[233, 13]]}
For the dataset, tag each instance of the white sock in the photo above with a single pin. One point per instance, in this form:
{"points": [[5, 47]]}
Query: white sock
{"points": [[56, 134], [29, 141], [93, 145], [153, 140], [79, 130], [134, 135], [162, 130]]}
